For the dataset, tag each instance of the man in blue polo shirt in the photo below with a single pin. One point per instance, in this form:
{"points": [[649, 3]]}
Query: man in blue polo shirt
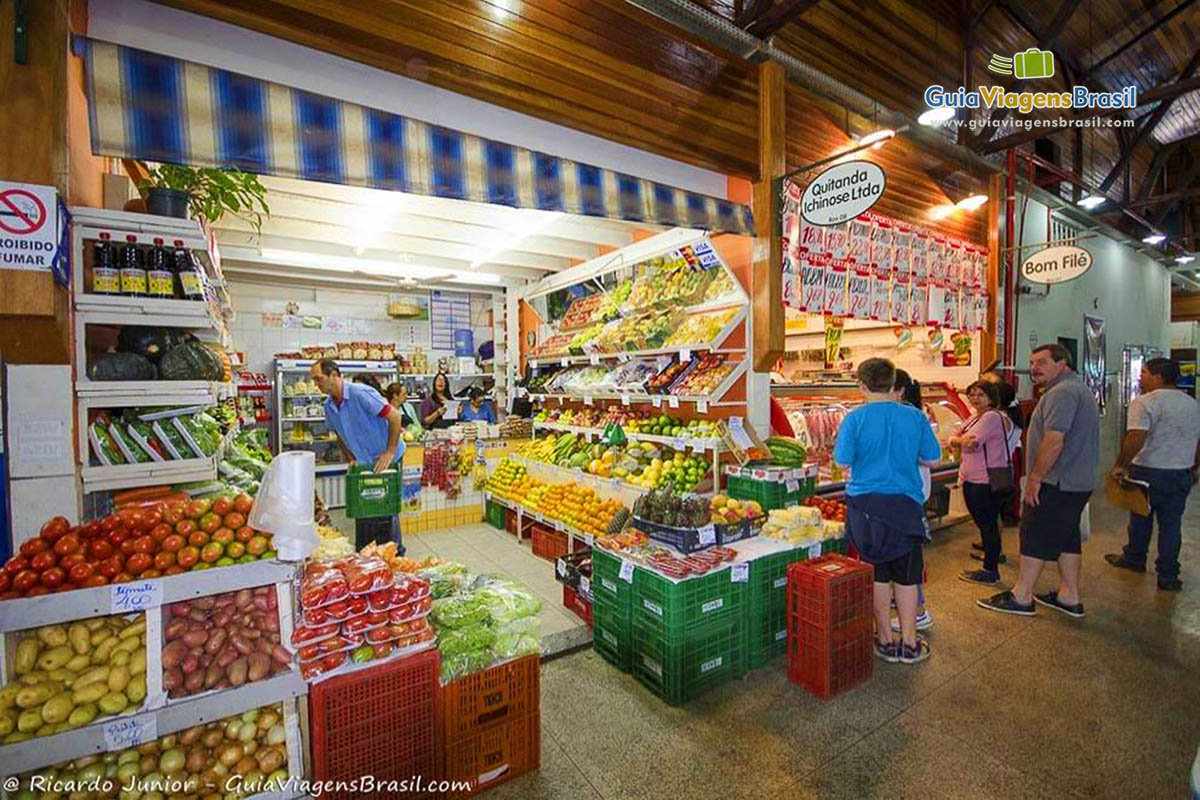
{"points": [[368, 431]]}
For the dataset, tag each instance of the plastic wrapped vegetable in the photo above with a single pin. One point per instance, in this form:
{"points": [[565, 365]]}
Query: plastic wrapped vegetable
{"points": [[460, 611], [506, 600], [460, 666], [459, 641], [103, 447], [133, 452], [444, 579], [517, 638]]}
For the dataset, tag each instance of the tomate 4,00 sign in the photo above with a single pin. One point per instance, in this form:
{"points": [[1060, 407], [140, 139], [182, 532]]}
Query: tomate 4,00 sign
{"points": [[1056, 264], [842, 192]]}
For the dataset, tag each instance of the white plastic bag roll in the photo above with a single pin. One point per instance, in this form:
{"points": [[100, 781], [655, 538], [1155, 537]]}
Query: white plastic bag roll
{"points": [[284, 505]]}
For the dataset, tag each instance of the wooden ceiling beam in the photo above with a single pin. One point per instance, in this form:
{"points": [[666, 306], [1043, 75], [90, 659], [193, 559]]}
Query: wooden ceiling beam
{"points": [[1149, 29], [780, 14]]}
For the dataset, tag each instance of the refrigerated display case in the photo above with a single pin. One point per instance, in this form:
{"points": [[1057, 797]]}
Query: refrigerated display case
{"points": [[1133, 358], [813, 412]]}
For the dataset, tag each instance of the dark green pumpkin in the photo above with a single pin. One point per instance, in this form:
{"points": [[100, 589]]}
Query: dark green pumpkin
{"points": [[191, 361], [122, 367]]}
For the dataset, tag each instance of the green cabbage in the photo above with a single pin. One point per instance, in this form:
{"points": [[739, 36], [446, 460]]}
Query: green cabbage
{"points": [[517, 638], [458, 641], [460, 666], [460, 611], [508, 601]]}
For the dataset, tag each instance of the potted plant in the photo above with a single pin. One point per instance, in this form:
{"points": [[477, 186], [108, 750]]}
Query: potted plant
{"points": [[173, 190]]}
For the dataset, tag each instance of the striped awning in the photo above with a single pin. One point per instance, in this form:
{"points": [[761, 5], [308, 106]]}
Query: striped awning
{"points": [[156, 108]]}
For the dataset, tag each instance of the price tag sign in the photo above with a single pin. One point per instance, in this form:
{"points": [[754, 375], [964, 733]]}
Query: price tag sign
{"points": [[708, 534], [588, 435], [623, 357], [624, 399], [561, 566], [585, 584], [566, 362], [126, 598], [589, 539], [656, 400], [793, 486], [533, 364], [558, 526], [127, 732], [737, 424], [739, 573], [685, 355], [702, 406], [578, 474], [626, 573], [594, 360], [814, 550], [614, 482], [678, 444], [587, 401], [673, 401]]}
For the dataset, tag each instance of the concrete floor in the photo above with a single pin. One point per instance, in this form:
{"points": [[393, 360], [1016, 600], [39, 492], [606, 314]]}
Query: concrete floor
{"points": [[1007, 707]]}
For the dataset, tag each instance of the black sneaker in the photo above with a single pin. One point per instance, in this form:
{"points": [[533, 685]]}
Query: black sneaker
{"points": [[1050, 600], [888, 652], [1002, 560], [1005, 603], [977, 546], [1119, 561], [979, 576], [1170, 585], [913, 655]]}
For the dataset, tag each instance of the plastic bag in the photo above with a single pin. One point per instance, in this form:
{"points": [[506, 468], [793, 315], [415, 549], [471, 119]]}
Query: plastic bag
{"points": [[457, 641], [460, 666], [460, 611], [518, 638], [507, 601]]}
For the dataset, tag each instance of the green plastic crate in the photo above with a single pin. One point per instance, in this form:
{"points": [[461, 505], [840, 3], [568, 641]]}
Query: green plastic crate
{"points": [[681, 670], [676, 609], [768, 494], [612, 636], [372, 494], [607, 583], [767, 604], [493, 514]]}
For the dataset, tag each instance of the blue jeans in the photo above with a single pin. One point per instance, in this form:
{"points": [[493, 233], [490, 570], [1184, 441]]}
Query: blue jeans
{"points": [[1169, 489]]}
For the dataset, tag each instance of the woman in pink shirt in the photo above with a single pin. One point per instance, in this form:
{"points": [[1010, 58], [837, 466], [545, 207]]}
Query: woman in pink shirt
{"points": [[985, 441]]}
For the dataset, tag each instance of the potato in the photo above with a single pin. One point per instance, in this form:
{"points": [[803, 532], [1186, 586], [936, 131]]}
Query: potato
{"points": [[173, 653], [66, 676], [98, 636], [57, 709], [79, 638], [135, 690], [118, 678], [260, 665], [52, 635], [8, 695], [26, 656], [79, 663], [55, 657], [92, 675], [113, 703], [104, 650], [128, 645], [137, 662], [237, 671], [31, 696], [136, 629], [89, 693], [8, 721], [82, 715], [34, 678], [30, 720]]}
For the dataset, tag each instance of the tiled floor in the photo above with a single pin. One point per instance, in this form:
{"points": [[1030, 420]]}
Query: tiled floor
{"points": [[1007, 707]]}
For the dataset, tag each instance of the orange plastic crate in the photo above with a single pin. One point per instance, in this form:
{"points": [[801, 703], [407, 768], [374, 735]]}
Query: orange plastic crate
{"points": [[385, 722], [492, 697], [510, 521], [495, 755], [549, 544], [829, 623]]}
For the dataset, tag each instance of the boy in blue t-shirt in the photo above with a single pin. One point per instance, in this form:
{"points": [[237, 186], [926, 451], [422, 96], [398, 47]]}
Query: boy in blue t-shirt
{"points": [[882, 442]]}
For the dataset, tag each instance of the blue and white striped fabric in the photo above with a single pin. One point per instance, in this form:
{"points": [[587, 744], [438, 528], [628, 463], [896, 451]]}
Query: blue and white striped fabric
{"points": [[157, 108]]}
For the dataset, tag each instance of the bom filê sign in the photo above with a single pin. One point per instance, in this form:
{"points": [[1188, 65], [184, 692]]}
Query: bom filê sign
{"points": [[1056, 264], [28, 226]]}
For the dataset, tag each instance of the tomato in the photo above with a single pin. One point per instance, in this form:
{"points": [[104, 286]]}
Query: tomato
{"points": [[53, 577], [121, 577], [234, 520], [38, 591], [43, 561], [16, 564], [138, 563], [333, 661], [130, 517], [99, 549], [313, 596], [54, 529], [91, 529], [151, 573], [172, 543], [118, 537], [66, 562], [185, 527], [198, 508], [110, 523], [128, 547], [222, 506], [175, 513], [161, 531], [209, 522], [197, 538], [68, 544], [211, 552], [243, 503], [235, 549], [145, 544], [110, 566], [152, 517], [31, 547], [24, 580], [222, 535], [244, 534], [5, 581], [174, 569], [80, 573], [96, 580], [164, 560], [10, 595], [187, 557]]}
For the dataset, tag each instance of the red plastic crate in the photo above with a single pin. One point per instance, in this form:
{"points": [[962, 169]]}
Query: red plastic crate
{"points": [[494, 696], [578, 604], [385, 722], [829, 623], [495, 755], [510, 521], [549, 544]]}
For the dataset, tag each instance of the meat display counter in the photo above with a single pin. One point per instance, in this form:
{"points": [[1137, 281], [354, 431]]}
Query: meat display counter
{"points": [[813, 412]]}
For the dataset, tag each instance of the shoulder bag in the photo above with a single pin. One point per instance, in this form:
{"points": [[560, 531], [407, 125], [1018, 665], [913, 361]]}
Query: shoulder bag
{"points": [[1000, 479]]}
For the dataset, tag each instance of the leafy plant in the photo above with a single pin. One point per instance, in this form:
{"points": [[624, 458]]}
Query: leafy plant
{"points": [[214, 192]]}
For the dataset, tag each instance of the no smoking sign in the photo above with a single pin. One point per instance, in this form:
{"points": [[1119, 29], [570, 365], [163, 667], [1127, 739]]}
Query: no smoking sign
{"points": [[28, 226]]}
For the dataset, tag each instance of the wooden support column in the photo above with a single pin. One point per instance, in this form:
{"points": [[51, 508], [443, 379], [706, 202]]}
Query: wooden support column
{"points": [[767, 282], [988, 349]]}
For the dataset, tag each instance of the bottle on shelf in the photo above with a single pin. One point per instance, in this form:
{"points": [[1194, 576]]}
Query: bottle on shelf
{"points": [[160, 275], [106, 276], [186, 272], [133, 269]]}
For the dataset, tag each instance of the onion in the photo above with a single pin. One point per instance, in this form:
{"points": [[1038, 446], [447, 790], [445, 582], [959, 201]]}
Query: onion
{"points": [[229, 754], [266, 720], [197, 760], [212, 738], [147, 764], [250, 716], [271, 759], [244, 766], [172, 761], [250, 747], [247, 733], [231, 730], [277, 734]]}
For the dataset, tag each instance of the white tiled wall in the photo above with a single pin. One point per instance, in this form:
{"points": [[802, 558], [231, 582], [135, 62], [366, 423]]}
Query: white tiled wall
{"points": [[260, 344]]}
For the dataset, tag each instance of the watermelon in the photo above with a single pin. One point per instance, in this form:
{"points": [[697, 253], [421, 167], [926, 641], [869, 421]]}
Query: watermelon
{"points": [[191, 361]]}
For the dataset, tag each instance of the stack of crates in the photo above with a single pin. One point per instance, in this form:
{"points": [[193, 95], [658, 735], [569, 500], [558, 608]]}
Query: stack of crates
{"points": [[493, 514], [493, 725], [830, 634], [383, 721], [770, 487], [688, 636], [612, 611]]}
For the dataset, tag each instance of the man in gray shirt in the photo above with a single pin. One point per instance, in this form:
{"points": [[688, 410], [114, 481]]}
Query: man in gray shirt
{"points": [[1162, 449], [1064, 456]]}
